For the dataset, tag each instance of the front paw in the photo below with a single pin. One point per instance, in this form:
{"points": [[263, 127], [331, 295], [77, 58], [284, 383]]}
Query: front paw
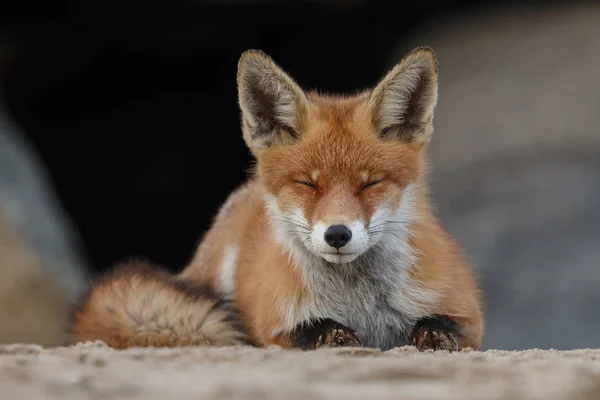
{"points": [[324, 333], [338, 337], [437, 332]]}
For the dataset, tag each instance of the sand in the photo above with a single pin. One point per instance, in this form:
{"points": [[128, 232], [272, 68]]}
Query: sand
{"points": [[94, 371]]}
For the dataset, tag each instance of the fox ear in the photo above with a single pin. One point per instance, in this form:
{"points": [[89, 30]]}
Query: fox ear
{"points": [[273, 105], [402, 104]]}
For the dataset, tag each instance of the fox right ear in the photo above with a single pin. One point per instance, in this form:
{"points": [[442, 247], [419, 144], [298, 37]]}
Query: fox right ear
{"points": [[273, 105], [403, 102]]}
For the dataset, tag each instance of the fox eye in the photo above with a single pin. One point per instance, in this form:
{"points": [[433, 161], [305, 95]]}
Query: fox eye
{"points": [[372, 183], [310, 185]]}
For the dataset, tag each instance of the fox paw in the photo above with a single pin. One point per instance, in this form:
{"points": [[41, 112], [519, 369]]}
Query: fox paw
{"points": [[324, 333], [438, 332], [340, 337]]}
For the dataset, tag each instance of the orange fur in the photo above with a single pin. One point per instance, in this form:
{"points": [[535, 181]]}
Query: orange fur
{"points": [[315, 154]]}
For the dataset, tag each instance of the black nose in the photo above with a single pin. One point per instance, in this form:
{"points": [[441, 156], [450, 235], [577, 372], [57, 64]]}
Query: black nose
{"points": [[337, 236]]}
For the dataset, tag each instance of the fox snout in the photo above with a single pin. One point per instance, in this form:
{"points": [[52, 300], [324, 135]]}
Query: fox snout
{"points": [[337, 236], [338, 241]]}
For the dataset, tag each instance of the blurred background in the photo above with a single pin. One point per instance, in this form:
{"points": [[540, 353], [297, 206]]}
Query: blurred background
{"points": [[119, 137]]}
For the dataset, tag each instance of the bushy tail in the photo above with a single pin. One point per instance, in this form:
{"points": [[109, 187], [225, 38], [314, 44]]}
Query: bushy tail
{"points": [[138, 304]]}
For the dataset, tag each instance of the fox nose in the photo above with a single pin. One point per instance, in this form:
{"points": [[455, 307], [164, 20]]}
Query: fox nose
{"points": [[337, 236]]}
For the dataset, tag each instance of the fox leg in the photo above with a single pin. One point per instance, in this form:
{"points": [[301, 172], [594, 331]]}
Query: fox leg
{"points": [[455, 319], [323, 333]]}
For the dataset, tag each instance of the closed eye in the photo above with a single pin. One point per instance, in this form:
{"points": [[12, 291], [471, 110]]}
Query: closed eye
{"points": [[372, 183], [310, 185]]}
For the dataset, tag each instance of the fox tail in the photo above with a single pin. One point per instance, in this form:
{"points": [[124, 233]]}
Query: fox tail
{"points": [[137, 304]]}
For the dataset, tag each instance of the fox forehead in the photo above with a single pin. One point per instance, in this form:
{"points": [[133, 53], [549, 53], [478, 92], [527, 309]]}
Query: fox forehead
{"points": [[338, 145], [339, 152]]}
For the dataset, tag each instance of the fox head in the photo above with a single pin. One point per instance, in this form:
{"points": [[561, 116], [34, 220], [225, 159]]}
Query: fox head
{"points": [[338, 171]]}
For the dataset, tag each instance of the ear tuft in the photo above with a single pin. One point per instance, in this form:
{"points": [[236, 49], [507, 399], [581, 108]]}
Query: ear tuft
{"points": [[273, 106], [403, 102], [428, 53]]}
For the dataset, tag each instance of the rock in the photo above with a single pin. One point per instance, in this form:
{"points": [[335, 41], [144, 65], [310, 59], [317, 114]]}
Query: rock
{"points": [[41, 269]]}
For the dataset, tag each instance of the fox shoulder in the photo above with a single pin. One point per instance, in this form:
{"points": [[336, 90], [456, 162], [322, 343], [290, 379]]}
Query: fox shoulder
{"points": [[138, 304]]}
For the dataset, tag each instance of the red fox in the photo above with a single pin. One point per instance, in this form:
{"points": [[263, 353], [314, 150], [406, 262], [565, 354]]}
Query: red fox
{"points": [[331, 242]]}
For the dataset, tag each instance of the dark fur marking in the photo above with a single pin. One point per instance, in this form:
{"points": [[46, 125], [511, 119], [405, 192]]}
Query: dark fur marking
{"points": [[437, 332], [310, 336], [416, 110], [262, 107]]}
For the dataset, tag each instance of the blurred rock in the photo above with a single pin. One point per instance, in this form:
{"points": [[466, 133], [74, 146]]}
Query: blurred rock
{"points": [[41, 272], [516, 163]]}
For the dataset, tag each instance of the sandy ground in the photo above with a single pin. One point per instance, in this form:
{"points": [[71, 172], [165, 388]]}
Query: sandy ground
{"points": [[94, 371]]}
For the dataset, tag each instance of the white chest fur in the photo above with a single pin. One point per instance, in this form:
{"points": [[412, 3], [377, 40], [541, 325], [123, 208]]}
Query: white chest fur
{"points": [[375, 296]]}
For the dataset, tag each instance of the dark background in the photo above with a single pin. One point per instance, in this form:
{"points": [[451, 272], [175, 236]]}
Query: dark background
{"points": [[133, 105]]}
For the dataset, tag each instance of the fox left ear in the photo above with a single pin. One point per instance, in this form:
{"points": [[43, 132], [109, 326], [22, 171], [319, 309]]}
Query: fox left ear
{"points": [[273, 105], [402, 104]]}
